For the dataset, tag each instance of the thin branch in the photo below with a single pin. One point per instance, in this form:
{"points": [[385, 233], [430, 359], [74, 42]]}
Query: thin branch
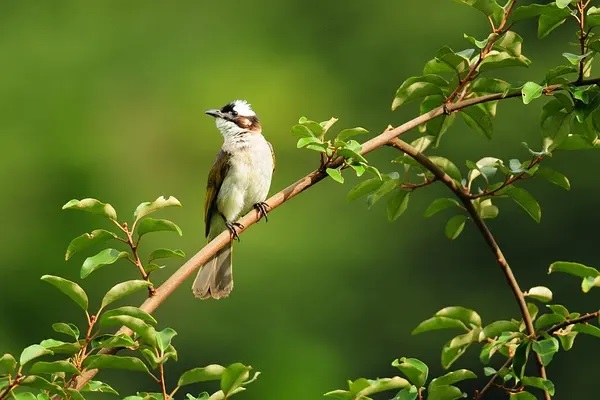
{"points": [[163, 385], [508, 181], [479, 395], [208, 251], [465, 199], [582, 37], [564, 324]]}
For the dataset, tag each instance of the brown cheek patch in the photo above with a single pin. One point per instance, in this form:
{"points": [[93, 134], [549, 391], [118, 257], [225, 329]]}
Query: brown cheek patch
{"points": [[243, 122]]}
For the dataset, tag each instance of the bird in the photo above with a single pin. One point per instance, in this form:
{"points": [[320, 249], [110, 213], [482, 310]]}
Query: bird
{"points": [[239, 180]]}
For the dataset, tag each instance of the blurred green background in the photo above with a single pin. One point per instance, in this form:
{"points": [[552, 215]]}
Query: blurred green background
{"points": [[106, 99]]}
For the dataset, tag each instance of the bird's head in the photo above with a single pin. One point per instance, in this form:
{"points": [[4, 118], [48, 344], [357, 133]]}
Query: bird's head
{"points": [[236, 118]]}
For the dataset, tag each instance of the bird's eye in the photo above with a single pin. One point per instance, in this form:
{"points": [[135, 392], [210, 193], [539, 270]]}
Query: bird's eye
{"points": [[234, 113]]}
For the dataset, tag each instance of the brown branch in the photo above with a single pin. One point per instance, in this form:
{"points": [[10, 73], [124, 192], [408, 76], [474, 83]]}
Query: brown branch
{"points": [[190, 266], [508, 181], [582, 37], [465, 199], [564, 324]]}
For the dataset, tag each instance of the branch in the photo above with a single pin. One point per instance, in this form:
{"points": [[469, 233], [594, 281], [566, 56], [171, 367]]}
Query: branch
{"points": [[202, 256]]}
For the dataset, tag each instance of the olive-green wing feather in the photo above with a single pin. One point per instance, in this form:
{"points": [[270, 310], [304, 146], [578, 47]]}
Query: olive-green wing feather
{"points": [[216, 176]]}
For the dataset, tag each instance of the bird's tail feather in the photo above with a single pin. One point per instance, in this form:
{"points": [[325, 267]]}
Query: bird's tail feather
{"points": [[215, 278]]}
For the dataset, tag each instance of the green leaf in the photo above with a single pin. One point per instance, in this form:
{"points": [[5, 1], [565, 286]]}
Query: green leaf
{"points": [[436, 323], [109, 341], [92, 206], [98, 387], [525, 200], [32, 352], [415, 370], [141, 328], [165, 253], [546, 349], [346, 134], [587, 329], [574, 59], [572, 268], [520, 358], [440, 204], [233, 377], [212, 372], [71, 289], [454, 226], [540, 293], [361, 388], [447, 166], [510, 42], [522, 396], [452, 377], [484, 84], [397, 204], [148, 225], [87, 240], [554, 177], [66, 328], [417, 87], [24, 396], [551, 19], [364, 187], [539, 383], [563, 3], [106, 361], [123, 289], [478, 119], [409, 393], [469, 317], [149, 207], [567, 340], [305, 141], [489, 7], [545, 320], [105, 257], [531, 91], [558, 309], [496, 328], [60, 347], [8, 364], [42, 367], [164, 338], [558, 72], [302, 131], [502, 59], [335, 174], [131, 311], [445, 392], [388, 186]]}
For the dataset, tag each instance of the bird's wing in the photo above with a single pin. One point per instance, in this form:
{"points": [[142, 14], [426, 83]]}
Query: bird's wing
{"points": [[216, 176], [272, 155]]}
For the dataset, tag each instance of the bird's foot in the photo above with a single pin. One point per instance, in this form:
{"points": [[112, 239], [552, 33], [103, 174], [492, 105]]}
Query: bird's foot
{"points": [[231, 226], [262, 209]]}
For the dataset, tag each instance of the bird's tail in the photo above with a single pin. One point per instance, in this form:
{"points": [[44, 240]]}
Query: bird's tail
{"points": [[215, 278]]}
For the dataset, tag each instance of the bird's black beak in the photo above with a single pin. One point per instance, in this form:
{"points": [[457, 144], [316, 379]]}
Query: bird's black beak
{"points": [[214, 113]]}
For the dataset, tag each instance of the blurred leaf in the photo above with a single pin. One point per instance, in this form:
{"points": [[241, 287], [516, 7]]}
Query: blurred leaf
{"points": [[455, 225], [530, 11], [440, 204], [551, 19], [574, 59], [387, 187], [8, 364], [489, 8], [346, 134], [546, 349], [520, 358], [525, 200], [92, 206], [211, 372], [109, 341], [23, 396], [573, 268], [148, 225], [34, 381], [559, 71], [554, 177], [502, 59], [351, 155], [436, 323], [32, 352], [66, 328], [469, 317], [123, 289], [335, 174], [363, 188], [478, 119], [397, 204], [164, 338], [588, 283], [496, 328], [545, 320], [484, 84], [539, 383], [148, 207], [105, 257], [510, 42], [361, 388], [42, 367], [531, 91], [457, 346], [142, 329], [128, 310], [60, 347], [559, 309], [71, 289], [587, 329], [305, 141], [165, 253], [233, 377], [417, 87], [447, 166], [409, 393], [106, 361], [87, 240], [74, 394], [533, 310], [99, 387], [445, 392], [302, 131], [567, 340], [415, 370], [522, 396], [452, 377], [540, 293]]}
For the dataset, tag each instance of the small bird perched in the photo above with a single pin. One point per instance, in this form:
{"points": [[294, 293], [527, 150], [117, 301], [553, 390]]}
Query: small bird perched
{"points": [[239, 180]]}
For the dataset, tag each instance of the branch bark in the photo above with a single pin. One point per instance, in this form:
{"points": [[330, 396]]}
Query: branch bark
{"points": [[190, 266]]}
